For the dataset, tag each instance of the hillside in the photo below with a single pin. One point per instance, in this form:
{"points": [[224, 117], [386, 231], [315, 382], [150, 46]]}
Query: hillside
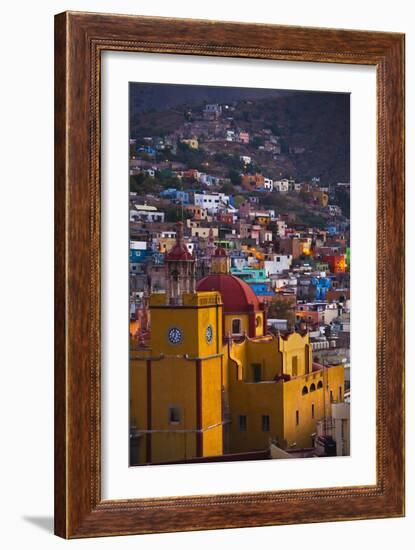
{"points": [[313, 128]]}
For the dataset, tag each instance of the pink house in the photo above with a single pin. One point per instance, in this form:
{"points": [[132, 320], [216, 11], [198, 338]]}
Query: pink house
{"points": [[244, 137], [245, 209]]}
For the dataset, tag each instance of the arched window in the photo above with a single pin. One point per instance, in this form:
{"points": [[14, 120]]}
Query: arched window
{"points": [[258, 321], [294, 366], [236, 326], [312, 387], [320, 385], [305, 390]]}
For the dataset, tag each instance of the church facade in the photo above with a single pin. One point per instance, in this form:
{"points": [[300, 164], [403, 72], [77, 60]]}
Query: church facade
{"points": [[211, 381]]}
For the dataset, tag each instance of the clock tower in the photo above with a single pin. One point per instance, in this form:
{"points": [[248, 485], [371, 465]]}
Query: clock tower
{"points": [[181, 374]]}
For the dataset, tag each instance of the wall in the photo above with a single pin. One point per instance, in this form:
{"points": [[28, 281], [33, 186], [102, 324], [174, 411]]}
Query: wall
{"points": [[26, 113]]}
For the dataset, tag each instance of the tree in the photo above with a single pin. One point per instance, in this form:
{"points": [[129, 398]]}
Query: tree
{"points": [[284, 146], [275, 129], [257, 141], [246, 116], [175, 214], [238, 200], [281, 309], [141, 183], [227, 188], [342, 198], [252, 168], [235, 176], [312, 220]]}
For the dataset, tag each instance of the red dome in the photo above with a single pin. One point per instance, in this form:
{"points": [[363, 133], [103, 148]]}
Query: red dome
{"points": [[237, 296], [179, 252]]}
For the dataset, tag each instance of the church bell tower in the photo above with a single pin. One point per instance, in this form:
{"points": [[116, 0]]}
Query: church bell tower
{"points": [[180, 270]]}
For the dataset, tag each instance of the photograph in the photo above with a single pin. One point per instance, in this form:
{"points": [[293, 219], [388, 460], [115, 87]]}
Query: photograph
{"points": [[239, 274]]}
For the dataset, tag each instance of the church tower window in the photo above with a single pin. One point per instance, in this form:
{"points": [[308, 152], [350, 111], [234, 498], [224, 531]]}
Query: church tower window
{"points": [[180, 266]]}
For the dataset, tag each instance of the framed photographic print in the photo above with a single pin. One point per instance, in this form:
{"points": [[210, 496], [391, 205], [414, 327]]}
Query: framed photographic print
{"points": [[229, 334]]}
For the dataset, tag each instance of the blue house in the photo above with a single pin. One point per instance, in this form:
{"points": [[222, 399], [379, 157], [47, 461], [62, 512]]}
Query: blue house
{"points": [[331, 229], [138, 256], [183, 197], [146, 149], [256, 279], [169, 193]]}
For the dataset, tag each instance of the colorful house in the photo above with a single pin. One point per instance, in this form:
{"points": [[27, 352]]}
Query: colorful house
{"points": [[337, 262], [252, 182], [257, 279]]}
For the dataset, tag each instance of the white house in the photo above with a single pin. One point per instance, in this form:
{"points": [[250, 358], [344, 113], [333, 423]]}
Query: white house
{"points": [[146, 213], [208, 179], [282, 186], [268, 184], [334, 210], [269, 214], [281, 228], [239, 263], [283, 281], [168, 234], [279, 264], [245, 159], [267, 236], [204, 232], [212, 111], [211, 202]]}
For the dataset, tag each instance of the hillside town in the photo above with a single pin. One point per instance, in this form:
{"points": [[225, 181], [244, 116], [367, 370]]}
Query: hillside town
{"points": [[214, 208]]}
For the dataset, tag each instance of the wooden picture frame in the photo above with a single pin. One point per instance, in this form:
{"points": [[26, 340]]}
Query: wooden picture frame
{"points": [[79, 40]]}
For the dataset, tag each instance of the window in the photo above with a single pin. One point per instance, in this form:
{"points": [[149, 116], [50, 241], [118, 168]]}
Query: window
{"points": [[174, 415], [304, 391], [242, 423], [256, 372], [312, 387], [312, 410], [340, 393], [236, 326], [258, 321], [331, 396], [297, 418], [320, 385], [294, 366], [265, 423]]}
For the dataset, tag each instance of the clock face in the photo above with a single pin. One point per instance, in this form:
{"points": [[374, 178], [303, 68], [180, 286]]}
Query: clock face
{"points": [[175, 335], [209, 334]]}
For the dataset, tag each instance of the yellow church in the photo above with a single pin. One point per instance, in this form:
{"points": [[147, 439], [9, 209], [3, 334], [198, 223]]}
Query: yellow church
{"points": [[211, 381]]}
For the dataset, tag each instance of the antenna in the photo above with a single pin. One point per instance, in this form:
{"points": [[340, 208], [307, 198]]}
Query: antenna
{"points": [[182, 205], [181, 200]]}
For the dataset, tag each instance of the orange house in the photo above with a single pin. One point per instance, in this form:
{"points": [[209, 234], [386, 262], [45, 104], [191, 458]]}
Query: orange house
{"points": [[251, 182], [337, 263]]}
